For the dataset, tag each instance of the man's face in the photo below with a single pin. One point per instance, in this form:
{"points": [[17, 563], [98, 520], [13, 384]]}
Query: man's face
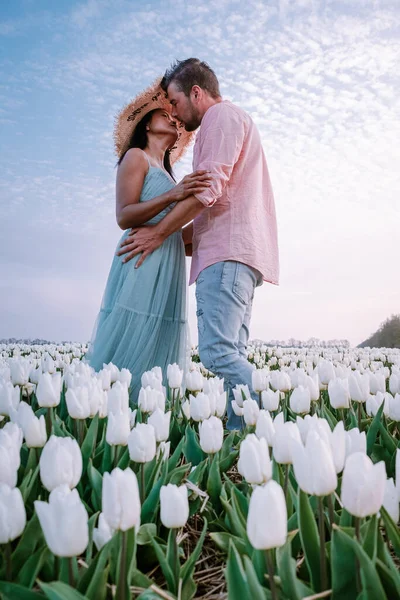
{"points": [[182, 108]]}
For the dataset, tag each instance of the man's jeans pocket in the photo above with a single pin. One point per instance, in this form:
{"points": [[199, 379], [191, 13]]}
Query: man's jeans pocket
{"points": [[244, 283]]}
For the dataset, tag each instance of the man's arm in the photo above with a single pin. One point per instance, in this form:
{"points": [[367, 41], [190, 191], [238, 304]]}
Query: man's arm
{"points": [[146, 239]]}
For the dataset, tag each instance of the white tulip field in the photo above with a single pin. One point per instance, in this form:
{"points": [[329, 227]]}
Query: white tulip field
{"points": [[100, 499]]}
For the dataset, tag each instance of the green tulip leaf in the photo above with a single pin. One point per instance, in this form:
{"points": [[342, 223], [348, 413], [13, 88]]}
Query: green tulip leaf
{"points": [[191, 449], [374, 429], [89, 443], [226, 449], [309, 539], [13, 591], [256, 590], [164, 564], [174, 459], [228, 462], [150, 505], [372, 587], [370, 538], [214, 484], [31, 538], [387, 439], [145, 533], [235, 576], [32, 567], [189, 566], [392, 530], [222, 540], [178, 474], [96, 482], [390, 579], [343, 569], [291, 586], [57, 590]]}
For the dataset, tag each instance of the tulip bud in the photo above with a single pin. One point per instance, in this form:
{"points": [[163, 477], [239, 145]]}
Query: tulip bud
{"points": [[394, 408], [113, 370], [9, 398], [211, 435], [49, 389], [174, 376], [251, 411], [259, 380], [359, 386], [265, 427], [356, 441], [237, 409], [125, 377], [313, 465], [267, 517], [118, 428], [394, 384], [282, 448], [12, 511], [200, 407], [77, 400], [34, 428], [142, 443], [102, 533], [118, 398], [391, 500], [60, 463], [363, 485], [163, 450], [160, 421], [280, 380], [338, 446], [339, 395], [104, 377], [64, 521], [194, 381], [185, 407], [220, 400], [254, 463], [326, 371], [174, 506], [19, 369], [270, 400], [215, 385], [377, 382], [240, 394], [150, 399], [121, 500], [11, 438], [300, 400]]}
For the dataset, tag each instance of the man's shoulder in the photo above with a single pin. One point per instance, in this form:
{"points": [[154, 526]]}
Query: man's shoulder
{"points": [[225, 110]]}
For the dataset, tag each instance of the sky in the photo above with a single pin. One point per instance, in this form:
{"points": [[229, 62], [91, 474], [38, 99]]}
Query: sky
{"points": [[321, 80]]}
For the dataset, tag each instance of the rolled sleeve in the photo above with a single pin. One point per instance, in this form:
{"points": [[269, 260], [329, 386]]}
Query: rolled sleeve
{"points": [[220, 149]]}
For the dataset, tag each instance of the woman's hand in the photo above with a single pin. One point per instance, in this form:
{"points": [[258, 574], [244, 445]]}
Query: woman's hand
{"points": [[191, 184]]}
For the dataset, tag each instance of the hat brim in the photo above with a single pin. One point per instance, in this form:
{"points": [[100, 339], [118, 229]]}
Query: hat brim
{"points": [[128, 118]]}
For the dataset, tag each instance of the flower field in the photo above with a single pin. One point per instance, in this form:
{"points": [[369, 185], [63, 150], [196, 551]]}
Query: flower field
{"points": [[99, 500]]}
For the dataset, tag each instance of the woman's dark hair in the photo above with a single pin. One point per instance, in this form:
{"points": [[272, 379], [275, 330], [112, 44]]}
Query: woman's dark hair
{"points": [[139, 140], [187, 73]]}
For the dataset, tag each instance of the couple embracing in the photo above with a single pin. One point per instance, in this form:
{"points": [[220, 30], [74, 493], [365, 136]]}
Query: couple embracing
{"points": [[223, 215]]}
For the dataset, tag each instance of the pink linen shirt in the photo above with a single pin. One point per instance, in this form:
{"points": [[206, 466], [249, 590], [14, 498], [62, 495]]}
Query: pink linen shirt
{"points": [[239, 222]]}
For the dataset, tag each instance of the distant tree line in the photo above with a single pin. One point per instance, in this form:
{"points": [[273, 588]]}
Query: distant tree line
{"points": [[387, 336]]}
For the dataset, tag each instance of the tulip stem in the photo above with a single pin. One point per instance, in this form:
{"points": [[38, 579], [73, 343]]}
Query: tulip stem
{"points": [[260, 399], [331, 510], [48, 421], [286, 481], [342, 415], [8, 561], [70, 572], [175, 558], [122, 583], [270, 568], [142, 484], [173, 402], [322, 558], [359, 415], [357, 524]]}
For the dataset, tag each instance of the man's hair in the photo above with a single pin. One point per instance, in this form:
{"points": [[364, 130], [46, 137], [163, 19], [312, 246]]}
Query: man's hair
{"points": [[187, 73]]}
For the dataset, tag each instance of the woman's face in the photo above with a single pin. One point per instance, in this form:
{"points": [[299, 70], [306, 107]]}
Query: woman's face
{"points": [[162, 123]]}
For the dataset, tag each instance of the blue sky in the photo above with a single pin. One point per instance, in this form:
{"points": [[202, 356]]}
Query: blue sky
{"points": [[320, 79]]}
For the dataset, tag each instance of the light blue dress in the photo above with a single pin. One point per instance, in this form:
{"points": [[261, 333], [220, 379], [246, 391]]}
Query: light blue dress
{"points": [[142, 321]]}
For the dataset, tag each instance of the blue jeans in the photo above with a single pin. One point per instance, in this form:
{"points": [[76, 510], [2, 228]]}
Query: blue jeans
{"points": [[224, 295]]}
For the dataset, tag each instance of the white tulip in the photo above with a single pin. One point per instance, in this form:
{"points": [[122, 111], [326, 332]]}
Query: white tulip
{"points": [[259, 380], [377, 382], [49, 389], [220, 400], [118, 398], [121, 500], [125, 377], [60, 463], [161, 422], [267, 517], [394, 408], [363, 485], [338, 446], [174, 376], [174, 506], [265, 427], [142, 443], [185, 407], [9, 398], [150, 399], [251, 412], [200, 408], [300, 400], [356, 441], [163, 450], [238, 410], [194, 381], [270, 400], [339, 395], [254, 463], [280, 380], [77, 400], [11, 438], [394, 384], [102, 533], [359, 386], [397, 472], [313, 385], [34, 428], [313, 465], [214, 385], [240, 394], [118, 428], [19, 369], [113, 370], [12, 513], [64, 521], [282, 447], [104, 376], [326, 371], [211, 433], [391, 500]]}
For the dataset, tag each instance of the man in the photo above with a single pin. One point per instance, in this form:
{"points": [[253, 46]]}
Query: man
{"points": [[235, 243]]}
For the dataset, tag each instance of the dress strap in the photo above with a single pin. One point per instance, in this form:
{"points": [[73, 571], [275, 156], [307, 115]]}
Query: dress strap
{"points": [[148, 160]]}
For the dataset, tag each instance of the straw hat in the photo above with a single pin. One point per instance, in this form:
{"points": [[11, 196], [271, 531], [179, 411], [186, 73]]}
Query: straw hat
{"points": [[128, 118]]}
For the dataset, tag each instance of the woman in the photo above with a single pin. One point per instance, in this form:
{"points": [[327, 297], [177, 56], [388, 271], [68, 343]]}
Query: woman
{"points": [[142, 320]]}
